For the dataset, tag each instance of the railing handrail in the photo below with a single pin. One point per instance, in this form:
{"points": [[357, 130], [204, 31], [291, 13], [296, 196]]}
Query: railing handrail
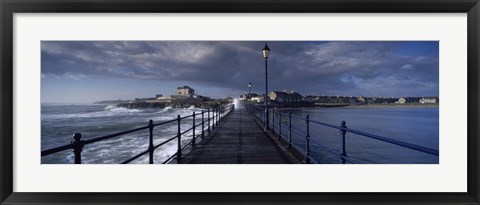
{"points": [[344, 130], [56, 149], [396, 142], [218, 112]]}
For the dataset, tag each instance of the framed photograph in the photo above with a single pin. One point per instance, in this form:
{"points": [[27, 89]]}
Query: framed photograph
{"points": [[124, 102]]}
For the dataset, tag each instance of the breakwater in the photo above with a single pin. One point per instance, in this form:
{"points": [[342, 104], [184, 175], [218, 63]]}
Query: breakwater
{"points": [[145, 104]]}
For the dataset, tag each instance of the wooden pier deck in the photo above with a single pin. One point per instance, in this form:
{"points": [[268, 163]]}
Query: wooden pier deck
{"points": [[238, 140]]}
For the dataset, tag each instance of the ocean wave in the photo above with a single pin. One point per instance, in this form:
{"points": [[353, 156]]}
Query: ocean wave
{"points": [[169, 113], [109, 111], [119, 149], [113, 108], [166, 110]]}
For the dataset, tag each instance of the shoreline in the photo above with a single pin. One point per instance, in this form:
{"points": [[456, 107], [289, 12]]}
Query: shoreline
{"points": [[393, 105], [413, 105]]}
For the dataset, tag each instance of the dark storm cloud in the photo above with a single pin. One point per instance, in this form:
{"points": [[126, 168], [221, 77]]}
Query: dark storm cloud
{"points": [[332, 68]]}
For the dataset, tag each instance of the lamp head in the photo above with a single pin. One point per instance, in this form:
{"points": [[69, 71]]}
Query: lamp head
{"points": [[266, 51]]}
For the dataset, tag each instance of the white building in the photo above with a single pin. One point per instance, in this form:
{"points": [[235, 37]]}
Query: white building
{"points": [[401, 101], [426, 100], [185, 91], [258, 98], [285, 96]]}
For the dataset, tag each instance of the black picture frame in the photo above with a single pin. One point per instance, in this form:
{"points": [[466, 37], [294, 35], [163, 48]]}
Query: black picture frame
{"points": [[10, 7]]}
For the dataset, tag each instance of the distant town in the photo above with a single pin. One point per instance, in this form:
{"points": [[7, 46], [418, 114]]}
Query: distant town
{"points": [[294, 99], [183, 97]]}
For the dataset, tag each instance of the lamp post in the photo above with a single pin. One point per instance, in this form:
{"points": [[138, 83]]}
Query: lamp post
{"points": [[266, 53], [249, 96]]}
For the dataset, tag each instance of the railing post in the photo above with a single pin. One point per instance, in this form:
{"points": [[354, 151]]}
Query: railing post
{"points": [[77, 147], [208, 119], [343, 132], [179, 150], [203, 125], [289, 129], [279, 125], [150, 146], [213, 120], [273, 119], [262, 115], [267, 113], [307, 143], [193, 130]]}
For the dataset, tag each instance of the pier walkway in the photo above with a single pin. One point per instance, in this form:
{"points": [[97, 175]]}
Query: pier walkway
{"points": [[238, 140]]}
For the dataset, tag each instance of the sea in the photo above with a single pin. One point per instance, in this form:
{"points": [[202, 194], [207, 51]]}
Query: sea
{"points": [[416, 125], [60, 121]]}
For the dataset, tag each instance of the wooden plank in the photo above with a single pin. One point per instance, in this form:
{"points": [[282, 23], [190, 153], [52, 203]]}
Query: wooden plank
{"points": [[238, 140]]}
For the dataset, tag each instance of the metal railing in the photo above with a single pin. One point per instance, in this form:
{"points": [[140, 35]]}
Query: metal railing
{"points": [[259, 112], [217, 115]]}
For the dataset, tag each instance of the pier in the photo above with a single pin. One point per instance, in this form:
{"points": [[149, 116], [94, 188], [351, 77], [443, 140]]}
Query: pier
{"points": [[236, 135], [239, 140]]}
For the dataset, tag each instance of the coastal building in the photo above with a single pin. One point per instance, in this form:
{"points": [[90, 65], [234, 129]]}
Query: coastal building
{"points": [[310, 98], [413, 99], [251, 97], [371, 100], [285, 96], [257, 98], [352, 100], [166, 99], [323, 99], [386, 100], [361, 99], [401, 101], [243, 97], [426, 100], [184, 94], [185, 91]]}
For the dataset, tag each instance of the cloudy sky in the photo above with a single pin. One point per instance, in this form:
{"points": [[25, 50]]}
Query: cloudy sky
{"points": [[88, 71]]}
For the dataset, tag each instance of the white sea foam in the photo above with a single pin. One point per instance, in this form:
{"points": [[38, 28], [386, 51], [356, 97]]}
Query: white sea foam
{"points": [[109, 107], [114, 108], [117, 150], [108, 112], [124, 110], [170, 113], [166, 110]]}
